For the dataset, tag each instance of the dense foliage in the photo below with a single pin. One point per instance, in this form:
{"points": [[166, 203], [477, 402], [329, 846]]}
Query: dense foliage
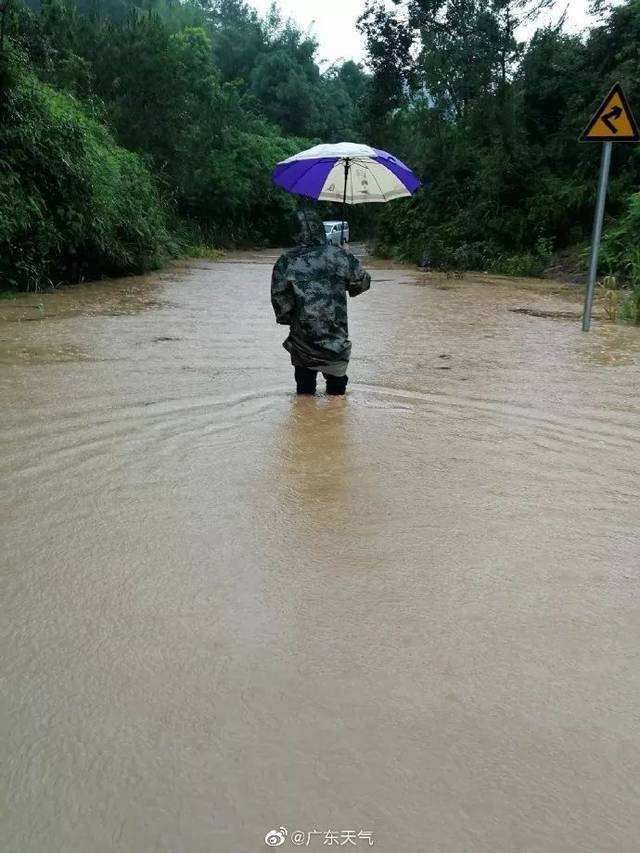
{"points": [[72, 203], [121, 125], [129, 130], [492, 125]]}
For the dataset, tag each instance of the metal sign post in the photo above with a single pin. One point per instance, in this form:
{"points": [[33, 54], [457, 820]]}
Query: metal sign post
{"points": [[613, 122], [603, 183]]}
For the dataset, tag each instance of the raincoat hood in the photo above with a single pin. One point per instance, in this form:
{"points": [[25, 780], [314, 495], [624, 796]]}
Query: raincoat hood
{"points": [[308, 229]]}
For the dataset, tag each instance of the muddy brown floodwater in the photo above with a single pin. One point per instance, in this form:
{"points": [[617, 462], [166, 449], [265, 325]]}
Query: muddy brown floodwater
{"points": [[412, 612]]}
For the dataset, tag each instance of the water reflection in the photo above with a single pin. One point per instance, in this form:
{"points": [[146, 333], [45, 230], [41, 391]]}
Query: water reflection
{"points": [[314, 462]]}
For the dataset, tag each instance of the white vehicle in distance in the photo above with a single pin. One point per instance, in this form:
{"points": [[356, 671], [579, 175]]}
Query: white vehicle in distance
{"points": [[333, 232]]}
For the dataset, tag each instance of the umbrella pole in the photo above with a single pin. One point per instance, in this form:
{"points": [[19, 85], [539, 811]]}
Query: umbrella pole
{"points": [[344, 199]]}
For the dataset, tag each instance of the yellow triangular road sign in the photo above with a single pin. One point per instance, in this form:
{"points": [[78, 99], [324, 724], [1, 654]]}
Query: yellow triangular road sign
{"points": [[613, 122]]}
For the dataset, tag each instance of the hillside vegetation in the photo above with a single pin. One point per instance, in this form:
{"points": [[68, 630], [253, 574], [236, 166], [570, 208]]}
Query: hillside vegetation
{"points": [[130, 133]]}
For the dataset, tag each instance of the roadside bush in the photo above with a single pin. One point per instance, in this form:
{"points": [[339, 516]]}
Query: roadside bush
{"points": [[621, 244], [621, 254], [629, 311], [525, 264], [72, 203]]}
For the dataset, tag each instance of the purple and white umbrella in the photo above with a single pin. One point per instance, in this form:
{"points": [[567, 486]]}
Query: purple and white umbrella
{"points": [[347, 173]]}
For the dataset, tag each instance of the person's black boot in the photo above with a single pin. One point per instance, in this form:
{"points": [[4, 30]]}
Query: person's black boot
{"points": [[305, 380], [336, 385]]}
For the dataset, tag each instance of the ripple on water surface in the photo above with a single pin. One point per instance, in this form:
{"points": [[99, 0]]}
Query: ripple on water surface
{"points": [[228, 609]]}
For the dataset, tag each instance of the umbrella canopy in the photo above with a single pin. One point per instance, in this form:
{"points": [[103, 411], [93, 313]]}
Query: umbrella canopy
{"points": [[346, 172]]}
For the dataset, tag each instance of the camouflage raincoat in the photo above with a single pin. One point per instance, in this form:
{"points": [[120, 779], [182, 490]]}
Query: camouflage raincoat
{"points": [[309, 293]]}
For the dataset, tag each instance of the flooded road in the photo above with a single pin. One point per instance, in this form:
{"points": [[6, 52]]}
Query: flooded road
{"points": [[412, 612]]}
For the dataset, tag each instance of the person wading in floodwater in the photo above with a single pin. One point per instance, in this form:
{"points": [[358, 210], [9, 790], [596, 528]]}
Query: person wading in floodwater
{"points": [[309, 294]]}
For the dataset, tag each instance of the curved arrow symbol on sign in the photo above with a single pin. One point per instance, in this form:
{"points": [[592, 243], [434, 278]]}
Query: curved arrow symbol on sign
{"points": [[615, 114]]}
